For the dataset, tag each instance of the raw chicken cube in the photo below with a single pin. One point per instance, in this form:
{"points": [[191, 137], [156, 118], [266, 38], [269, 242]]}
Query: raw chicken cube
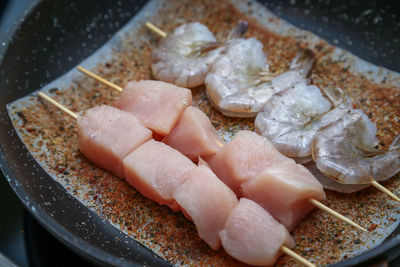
{"points": [[156, 170], [244, 158], [251, 235], [207, 201], [194, 135], [107, 135], [158, 105], [284, 190]]}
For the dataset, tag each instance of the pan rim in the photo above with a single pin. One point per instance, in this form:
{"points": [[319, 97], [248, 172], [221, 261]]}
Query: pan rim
{"points": [[76, 242]]}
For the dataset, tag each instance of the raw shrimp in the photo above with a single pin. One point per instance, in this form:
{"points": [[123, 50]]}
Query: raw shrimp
{"points": [[346, 151], [183, 57], [237, 85], [289, 121], [291, 118]]}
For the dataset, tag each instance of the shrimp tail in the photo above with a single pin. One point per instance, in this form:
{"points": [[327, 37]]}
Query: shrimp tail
{"points": [[303, 61], [387, 165], [239, 30], [206, 47], [338, 97], [395, 145]]}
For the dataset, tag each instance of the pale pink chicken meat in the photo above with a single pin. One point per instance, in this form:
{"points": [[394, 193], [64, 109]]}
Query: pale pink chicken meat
{"points": [[107, 135], [158, 105], [251, 235], [194, 135], [243, 158], [156, 170], [285, 190], [207, 201]]}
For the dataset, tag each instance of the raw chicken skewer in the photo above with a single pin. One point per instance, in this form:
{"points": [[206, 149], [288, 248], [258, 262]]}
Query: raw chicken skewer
{"points": [[227, 230], [313, 201]]}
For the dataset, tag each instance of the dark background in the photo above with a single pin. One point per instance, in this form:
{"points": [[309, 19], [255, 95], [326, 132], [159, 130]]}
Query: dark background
{"points": [[369, 29]]}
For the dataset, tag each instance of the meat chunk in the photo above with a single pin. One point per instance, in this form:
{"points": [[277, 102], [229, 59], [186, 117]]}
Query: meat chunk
{"points": [[253, 236], [284, 189], [107, 135], [158, 105], [244, 158], [156, 170], [194, 135], [207, 201]]}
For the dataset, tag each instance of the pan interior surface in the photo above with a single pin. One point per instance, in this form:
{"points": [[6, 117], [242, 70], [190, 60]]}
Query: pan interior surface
{"points": [[46, 45]]}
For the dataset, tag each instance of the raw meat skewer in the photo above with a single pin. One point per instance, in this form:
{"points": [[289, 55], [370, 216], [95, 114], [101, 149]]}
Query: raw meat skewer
{"points": [[223, 233]]}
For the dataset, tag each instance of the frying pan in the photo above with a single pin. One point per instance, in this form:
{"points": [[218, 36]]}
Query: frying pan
{"points": [[50, 38]]}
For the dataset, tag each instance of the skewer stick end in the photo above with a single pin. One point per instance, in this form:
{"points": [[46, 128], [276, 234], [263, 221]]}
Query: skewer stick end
{"points": [[99, 79], [336, 214], [155, 29], [296, 256], [384, 190], [58, 105]]}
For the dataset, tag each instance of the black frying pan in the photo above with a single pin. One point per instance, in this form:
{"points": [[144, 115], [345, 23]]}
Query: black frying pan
{"points": [[51, 38]]}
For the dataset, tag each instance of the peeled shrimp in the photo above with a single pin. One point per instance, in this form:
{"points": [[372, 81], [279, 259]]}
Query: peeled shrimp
{"points": [[346, 151], [236, 84], [183, 57], [291, 118]]}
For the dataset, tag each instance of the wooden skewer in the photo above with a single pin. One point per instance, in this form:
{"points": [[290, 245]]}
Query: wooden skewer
{"points": [[296, 256], [314, 201], [100, 79], [384, 190], [58, 105], [155, 29], [334, 213]]}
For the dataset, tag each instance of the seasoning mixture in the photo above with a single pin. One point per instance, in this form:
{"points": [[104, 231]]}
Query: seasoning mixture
{"points": [[51, 138]]}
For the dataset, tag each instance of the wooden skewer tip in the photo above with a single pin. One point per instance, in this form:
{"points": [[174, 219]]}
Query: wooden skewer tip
{"points": [[384, 190], [155, 29], [336, 214], [99, 79], [296, 256], [58, 105]]}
